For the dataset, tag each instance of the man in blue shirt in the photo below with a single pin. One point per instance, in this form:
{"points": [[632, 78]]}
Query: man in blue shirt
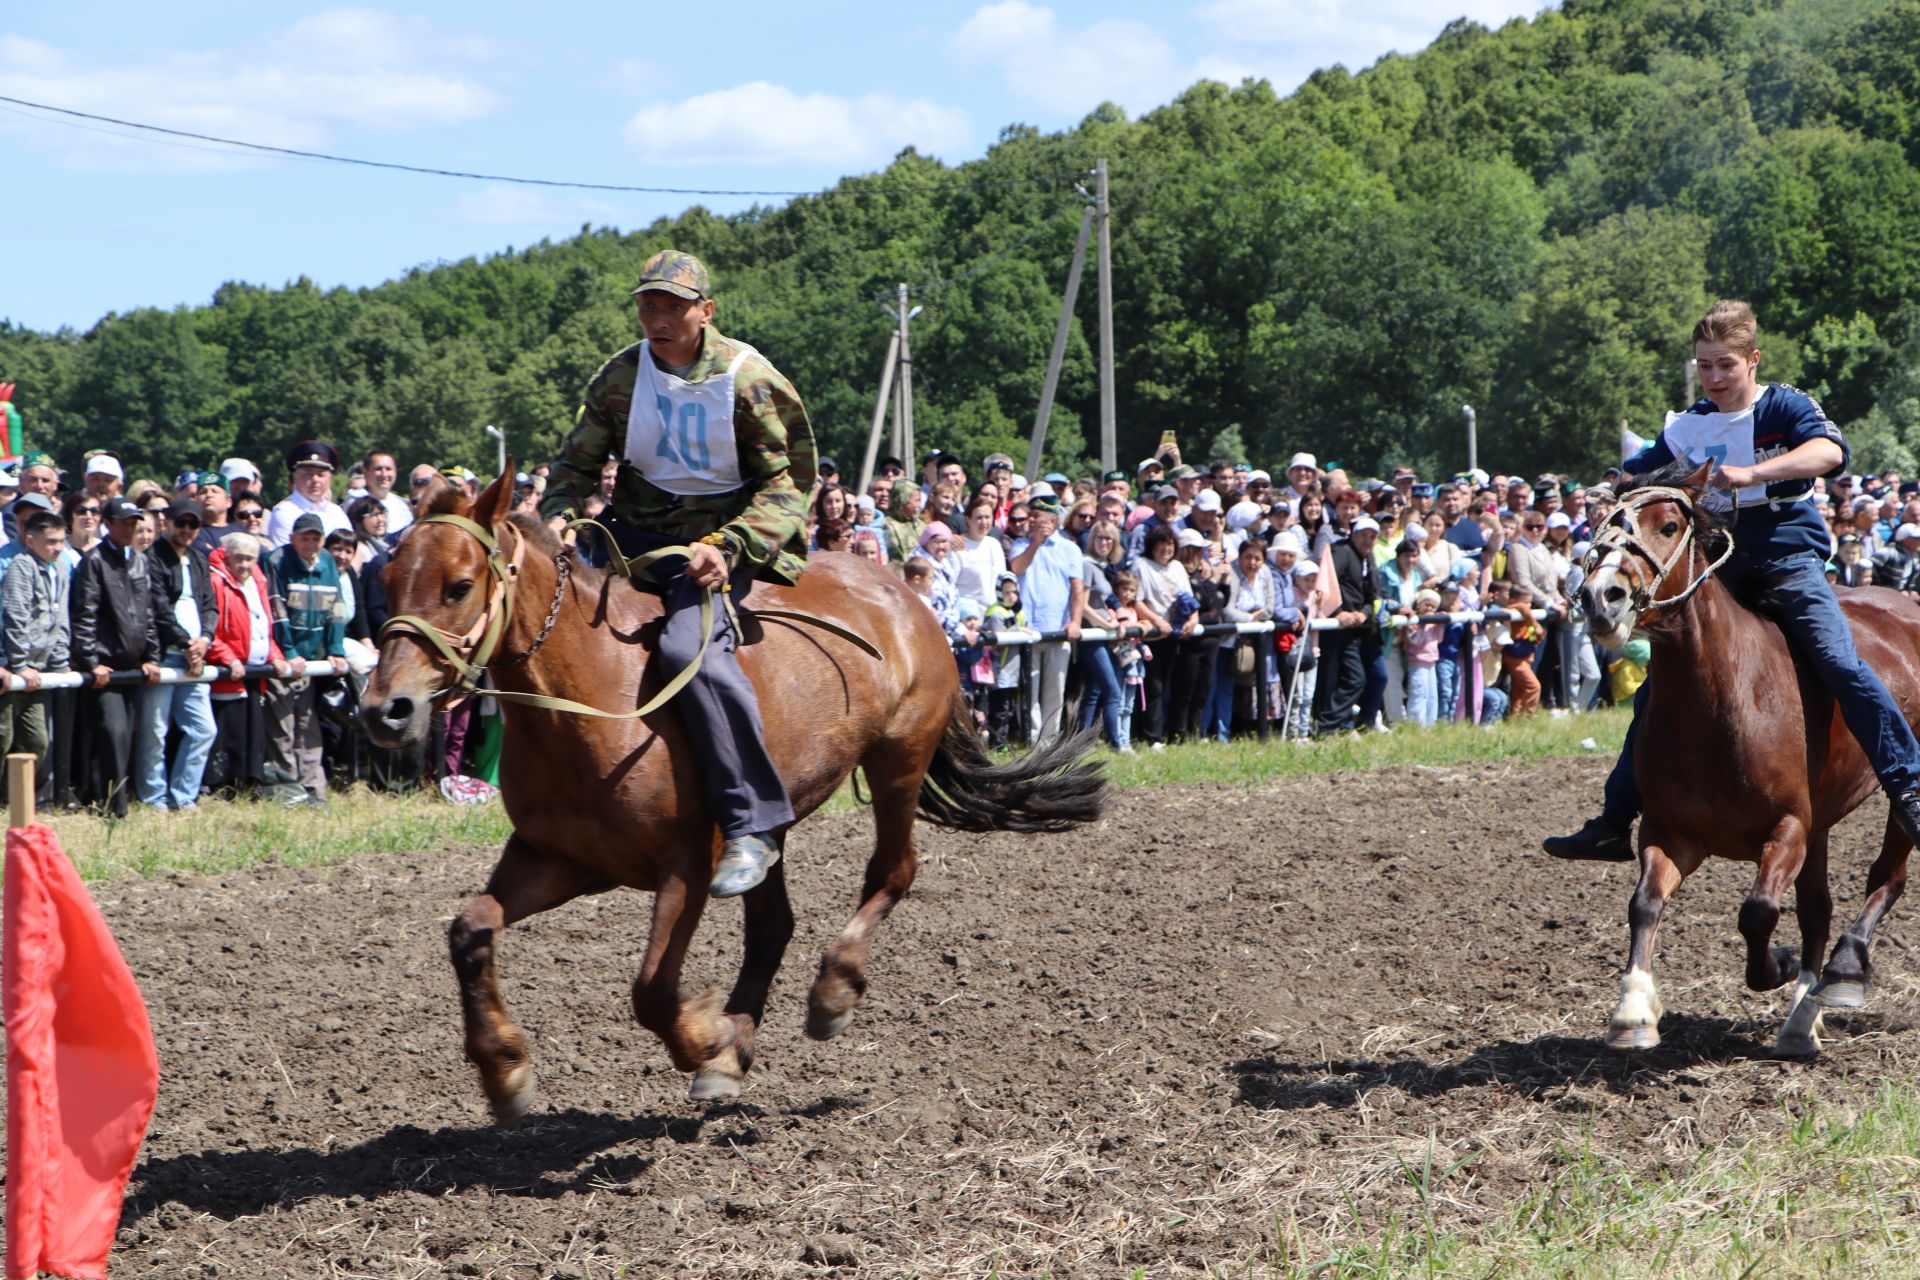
{"points": [[1052, 588]]}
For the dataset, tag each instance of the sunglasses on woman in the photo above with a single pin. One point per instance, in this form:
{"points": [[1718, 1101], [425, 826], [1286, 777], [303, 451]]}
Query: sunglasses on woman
{"points": [[254, 514], [91, 511]]}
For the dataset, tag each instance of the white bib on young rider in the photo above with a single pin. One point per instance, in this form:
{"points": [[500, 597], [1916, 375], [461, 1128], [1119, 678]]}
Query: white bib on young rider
{"points": [[1727, 438], [680, 433]]}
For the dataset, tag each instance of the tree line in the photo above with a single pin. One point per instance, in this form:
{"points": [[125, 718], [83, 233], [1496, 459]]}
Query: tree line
{"points": [[1526, 219]]}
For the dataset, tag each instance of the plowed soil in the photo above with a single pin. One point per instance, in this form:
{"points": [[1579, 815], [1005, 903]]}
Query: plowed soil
{"points": [[1220, 1017]]}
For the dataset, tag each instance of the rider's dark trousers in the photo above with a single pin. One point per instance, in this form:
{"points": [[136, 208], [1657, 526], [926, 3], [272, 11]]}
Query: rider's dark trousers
{"points": [[1794, 592], [718, 706]]}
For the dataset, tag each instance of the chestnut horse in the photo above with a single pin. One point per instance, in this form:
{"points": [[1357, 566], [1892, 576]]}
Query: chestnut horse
{"points": [[598, 803], [1741, 754]]}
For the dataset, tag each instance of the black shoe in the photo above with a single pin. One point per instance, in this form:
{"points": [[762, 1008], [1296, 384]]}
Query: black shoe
{"points": [[1601, 840], [1906, 811]]}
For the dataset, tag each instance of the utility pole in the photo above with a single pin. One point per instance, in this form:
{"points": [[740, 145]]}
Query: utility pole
{"points": [[1473, 437], [1059, 354], [905, 425], [880, 412], [1103, 211], [501, 439], [1692, 371]]}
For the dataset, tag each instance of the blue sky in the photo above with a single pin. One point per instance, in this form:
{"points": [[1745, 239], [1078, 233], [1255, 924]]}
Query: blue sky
{"points": [[761, 96]]}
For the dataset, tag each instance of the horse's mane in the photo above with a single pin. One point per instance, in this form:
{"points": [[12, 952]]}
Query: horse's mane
{"points": [[1709, 527], [541, 537]]}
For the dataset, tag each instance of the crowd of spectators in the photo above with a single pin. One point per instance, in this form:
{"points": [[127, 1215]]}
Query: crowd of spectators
{"points": [[219, 572]]}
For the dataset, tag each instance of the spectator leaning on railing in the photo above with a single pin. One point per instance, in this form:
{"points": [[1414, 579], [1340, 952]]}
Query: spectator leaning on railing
{"points": [[305, 584], [34, 595], [114, 629], [185, 614]]}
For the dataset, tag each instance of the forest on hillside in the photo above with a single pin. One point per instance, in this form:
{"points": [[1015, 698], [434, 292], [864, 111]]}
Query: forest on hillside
{"points": [[1525, 219]]}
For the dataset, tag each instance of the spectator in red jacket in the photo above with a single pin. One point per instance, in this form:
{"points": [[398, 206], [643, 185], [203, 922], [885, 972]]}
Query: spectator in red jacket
{"points": [[242, 637]]}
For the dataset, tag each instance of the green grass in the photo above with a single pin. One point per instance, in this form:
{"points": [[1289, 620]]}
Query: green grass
{"points": [[1836, 1192], [227, 836]]}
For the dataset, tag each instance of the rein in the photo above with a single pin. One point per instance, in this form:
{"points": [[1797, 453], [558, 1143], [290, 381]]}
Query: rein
{"points": [[1619, 534], [470, 653]]}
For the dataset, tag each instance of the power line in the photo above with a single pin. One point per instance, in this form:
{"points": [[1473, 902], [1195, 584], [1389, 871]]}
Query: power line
{"points": [[1035, 180]]}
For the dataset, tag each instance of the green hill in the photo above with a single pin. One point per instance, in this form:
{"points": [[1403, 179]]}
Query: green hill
{"points": [[1526, 220]]}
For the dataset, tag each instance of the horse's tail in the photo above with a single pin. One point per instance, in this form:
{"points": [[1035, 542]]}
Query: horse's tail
{"points": [[1051, 788]]}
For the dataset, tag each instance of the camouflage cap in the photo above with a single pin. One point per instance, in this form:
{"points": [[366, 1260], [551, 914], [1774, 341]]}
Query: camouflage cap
{"points": [[680, 274]]}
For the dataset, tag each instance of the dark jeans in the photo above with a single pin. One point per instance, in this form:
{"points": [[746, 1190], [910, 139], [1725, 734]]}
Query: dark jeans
{"points": [[1373, 696], [744, 791], [1192, 687], [1343, 678], [1101, 689], [1794, 592], [114, 715]]}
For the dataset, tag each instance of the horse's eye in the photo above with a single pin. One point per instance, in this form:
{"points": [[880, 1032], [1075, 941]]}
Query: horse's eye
{"points": [[1672, 527], [458, 591]]}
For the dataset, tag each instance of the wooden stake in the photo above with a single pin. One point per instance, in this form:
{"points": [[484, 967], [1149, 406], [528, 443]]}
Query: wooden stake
{"points": [[20, 789]]}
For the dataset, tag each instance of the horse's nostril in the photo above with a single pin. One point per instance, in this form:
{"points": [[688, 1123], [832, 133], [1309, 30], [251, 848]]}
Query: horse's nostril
{"points": [[398, 711], [1616, 594]]}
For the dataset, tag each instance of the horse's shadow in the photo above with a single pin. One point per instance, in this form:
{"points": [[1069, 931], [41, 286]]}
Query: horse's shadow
{"points": [[549, 1156], [1537, 1068]]}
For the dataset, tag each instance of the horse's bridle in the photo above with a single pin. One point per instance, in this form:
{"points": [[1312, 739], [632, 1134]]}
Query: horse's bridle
{"points": [[469, 653], [1619, 535]]}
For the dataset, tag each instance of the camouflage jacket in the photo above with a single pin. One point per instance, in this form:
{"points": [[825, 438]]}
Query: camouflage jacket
{"points": [[763, 521]]}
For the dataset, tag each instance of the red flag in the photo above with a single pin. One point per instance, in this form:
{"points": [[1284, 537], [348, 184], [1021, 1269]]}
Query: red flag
{"points": [[81, 1071]]}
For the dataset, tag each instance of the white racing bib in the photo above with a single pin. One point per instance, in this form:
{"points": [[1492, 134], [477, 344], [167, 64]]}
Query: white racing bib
{"points": [[680, 433]]}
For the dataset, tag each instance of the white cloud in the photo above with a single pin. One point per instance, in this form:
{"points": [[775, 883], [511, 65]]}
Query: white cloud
{"points": [[297, 87], [1287, 40], [1072, 70], [762, 123]]}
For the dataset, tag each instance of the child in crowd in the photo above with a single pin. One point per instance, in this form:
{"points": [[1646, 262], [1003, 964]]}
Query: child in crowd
{"points": [[918, 574], [35, 629], [1519, 642], [1130, 653], [1422, 645], [1003, 614], [975, 660], [1454, 645]]}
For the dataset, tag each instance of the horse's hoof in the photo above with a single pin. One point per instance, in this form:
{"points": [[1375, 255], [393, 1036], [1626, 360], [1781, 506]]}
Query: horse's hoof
{"points": [[1798, 1048], [1623, 1039], [511, 1107], [822, 1025], [710, 1085], [1845, 994]]}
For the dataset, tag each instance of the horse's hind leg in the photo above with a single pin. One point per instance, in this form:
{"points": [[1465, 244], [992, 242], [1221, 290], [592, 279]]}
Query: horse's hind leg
{"points": [[1785, 852], [843, 969], [698, 1035], [523, 883], [1636, 1019], [1844, 982], [1813, 903], [768, 926]]}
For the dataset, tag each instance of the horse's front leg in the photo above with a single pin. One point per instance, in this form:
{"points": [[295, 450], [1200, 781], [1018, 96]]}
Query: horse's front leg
{"points": [[698, 1034], [1636, 1019], [524, 883], [1781, 857], [1813, 902]]}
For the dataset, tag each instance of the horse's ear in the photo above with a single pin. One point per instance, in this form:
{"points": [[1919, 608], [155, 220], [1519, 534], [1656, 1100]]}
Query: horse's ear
{"points": [[495, 501], [438, 498], [1700, 477]]}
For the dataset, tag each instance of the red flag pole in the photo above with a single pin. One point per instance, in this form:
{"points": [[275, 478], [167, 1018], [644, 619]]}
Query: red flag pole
{"points": [[82, 1075]]}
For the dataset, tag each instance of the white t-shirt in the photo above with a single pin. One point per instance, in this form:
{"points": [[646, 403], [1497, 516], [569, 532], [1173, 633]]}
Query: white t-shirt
{"points": [[979, 566]]}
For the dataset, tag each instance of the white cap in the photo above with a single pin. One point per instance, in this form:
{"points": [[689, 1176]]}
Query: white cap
{"points": [[1041, 490], [1258, 474], [1559, 520], [8, 480], [1207, 500], [1017, 481], [234, 468], [1364, 523], [1414, 533], [105, 465], [1242, 515], [1304, 460], [1906, 531], [1191, 538], [1305, 568], [1293, 541], [864, 502]]}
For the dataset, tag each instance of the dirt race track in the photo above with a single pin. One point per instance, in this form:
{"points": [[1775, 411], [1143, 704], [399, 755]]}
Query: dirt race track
{"points": [[1221, 1014]]}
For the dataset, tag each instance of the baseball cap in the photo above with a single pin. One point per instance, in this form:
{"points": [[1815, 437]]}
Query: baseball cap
{"points": [[105, 464], [1415, 533], [118, 509], [1182, 472], [1257, 476], [670, 271], [181, 509], [1117, 474], [308, 523], [186, 478], [1016, 481], [1305, 568], [1303, 460], [827, 465], [1422, 490], [39, 500], [1207, 500], [1164, 492], [1559, 520], [8, 480], [1365, 523], [236, 468], [212, 480], [1191, 538], [1056, 478], [1906, 531], [1242, 515], [1150, 464], [1845, 538]]}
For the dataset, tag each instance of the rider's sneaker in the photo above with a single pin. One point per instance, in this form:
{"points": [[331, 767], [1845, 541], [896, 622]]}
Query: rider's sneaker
{"points": [[1600, 840], [1906, 811], [744, 861]]}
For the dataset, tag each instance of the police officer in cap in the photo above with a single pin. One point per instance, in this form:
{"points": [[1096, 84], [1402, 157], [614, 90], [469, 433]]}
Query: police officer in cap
{"points": [[311, 464]]}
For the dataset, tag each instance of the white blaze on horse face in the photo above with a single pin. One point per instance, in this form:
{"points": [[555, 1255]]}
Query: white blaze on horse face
{"points": [[1610, 627]]}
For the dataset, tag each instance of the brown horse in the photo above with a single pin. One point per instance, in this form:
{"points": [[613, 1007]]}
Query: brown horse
{"points": [[1741, 754], [598, 803]]}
